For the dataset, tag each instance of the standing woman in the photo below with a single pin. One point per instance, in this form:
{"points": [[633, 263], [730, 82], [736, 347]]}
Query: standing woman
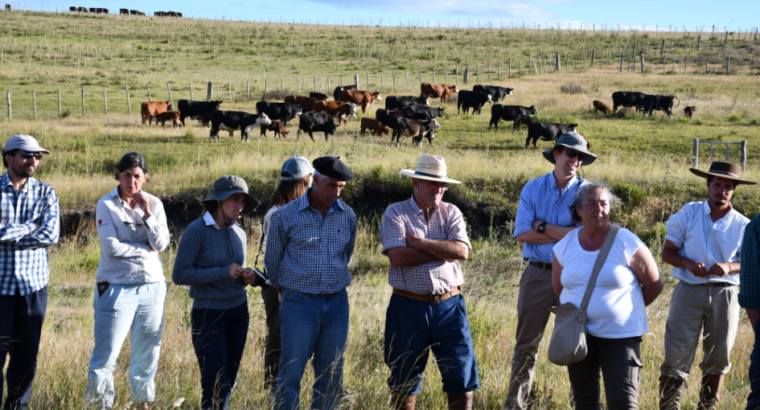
{"points": [[210, 258], [295, 178], [131, 287]]}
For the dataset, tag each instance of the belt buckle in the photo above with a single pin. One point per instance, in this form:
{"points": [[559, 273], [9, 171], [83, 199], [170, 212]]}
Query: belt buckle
{"points": [[435, 299], [709, 284]]}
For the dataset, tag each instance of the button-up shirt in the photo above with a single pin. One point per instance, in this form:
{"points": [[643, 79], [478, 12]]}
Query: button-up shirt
{"points": [[541, 200], [700, 239], [23, 246], [749, 293], [126, 239], [445, 223], [308, 253]]}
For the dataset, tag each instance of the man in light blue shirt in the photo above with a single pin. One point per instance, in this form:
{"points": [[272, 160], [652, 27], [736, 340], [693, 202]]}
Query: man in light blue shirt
{"points": [[703, 245], [543, 219]]}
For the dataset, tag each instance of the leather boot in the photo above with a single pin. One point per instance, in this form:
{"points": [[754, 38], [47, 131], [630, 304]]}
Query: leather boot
{"points": [[710, 393], [670, 393], [405, 403], [460, 401]]}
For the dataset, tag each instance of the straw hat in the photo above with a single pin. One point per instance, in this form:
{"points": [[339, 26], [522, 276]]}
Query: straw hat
{"points": [[430, 168]]}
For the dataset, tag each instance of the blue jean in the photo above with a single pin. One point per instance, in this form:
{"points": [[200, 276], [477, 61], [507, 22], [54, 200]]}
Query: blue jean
{"points": [[753, 401], [312, 325], [413, 328], [219, 340], [137, 309]]}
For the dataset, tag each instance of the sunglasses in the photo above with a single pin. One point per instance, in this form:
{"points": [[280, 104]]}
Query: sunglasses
{"points": [[31, 154], [437, 185], [572, 154]]}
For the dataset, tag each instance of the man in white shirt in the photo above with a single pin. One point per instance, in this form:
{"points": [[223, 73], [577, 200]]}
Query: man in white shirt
{"points": [[703, 245]]}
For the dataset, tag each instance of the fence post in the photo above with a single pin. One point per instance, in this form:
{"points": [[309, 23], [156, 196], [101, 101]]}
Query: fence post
{"points": [[510, 68], [169, 88], [420, 76], [662, 48], [407, 80], [621, 62], [744, 155], [498, 69], [356, 81], [477, 77], [129, 106], [699, 40], [105, 101], [466, 74], [366, 86], [641, 58], [149, 97], [341, 80], [695, 154], [265, 86], [34, 103], [282, 84], [83, 112], [8, 98], [593, 56], [327, 88], [59, 102], [728, 64], [559, 65], [209, 90]]}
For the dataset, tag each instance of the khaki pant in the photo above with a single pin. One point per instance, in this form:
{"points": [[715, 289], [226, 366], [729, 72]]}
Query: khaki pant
{"points": [[692, 309], [535, 300]]}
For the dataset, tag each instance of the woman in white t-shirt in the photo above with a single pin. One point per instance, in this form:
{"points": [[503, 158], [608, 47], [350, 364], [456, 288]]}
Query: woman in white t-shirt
{"points": [[627, 283]]}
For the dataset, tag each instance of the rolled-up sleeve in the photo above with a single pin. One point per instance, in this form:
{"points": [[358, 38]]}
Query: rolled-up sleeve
{"points": [[392, 231], [749, 277], [676, 227], [526, 213]]}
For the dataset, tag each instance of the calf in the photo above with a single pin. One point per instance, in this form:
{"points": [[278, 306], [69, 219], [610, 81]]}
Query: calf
{"points": [[600, 106], [172, 116], [415, 129], [547, 131], [276, 126], [318, 96], [316, 122], [235, 120], [465, 95], [150, 109], [475, 104], [509, 113], [689, 111], [377, 127]]}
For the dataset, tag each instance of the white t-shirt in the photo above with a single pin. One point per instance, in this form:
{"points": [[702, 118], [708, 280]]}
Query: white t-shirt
{"points": [[616, 309]]}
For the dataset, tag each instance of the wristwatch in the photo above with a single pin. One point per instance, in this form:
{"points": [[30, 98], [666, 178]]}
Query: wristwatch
{"points": [[541, 228]]}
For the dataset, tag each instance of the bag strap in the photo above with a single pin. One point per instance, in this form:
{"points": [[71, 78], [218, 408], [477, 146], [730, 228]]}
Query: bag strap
{"points": [[600, 259]]}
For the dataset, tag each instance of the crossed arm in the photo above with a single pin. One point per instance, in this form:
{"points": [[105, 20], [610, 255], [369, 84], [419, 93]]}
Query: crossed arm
{"points": [[552, 234], [419, 251]]}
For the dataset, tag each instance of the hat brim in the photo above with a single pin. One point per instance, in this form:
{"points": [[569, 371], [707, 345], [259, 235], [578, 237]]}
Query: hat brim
{"points": [[42, 150], [414, 174], [590, 158], [250, 204], [705, 174]]}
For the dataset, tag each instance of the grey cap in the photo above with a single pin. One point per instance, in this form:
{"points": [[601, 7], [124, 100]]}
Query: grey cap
{"points": [[575, 141], [229, 185], [25, 143], [296, 168]]}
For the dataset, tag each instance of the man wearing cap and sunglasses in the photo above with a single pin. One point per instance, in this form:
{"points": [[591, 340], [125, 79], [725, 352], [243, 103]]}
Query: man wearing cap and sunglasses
{"points": [[425, 238], [28, 226], [543, 219], [704, 246]]}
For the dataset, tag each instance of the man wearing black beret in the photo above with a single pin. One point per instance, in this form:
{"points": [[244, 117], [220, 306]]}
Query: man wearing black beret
{"points": [[310, 243]]}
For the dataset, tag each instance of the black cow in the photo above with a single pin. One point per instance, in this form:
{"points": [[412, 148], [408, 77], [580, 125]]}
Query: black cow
{"points": [[430, 111], [316, 122], [389, 118], [343, 88], [658, 102], [627, 99], [472, 95], [415, 129], [394, 102], [473, 103], [279, 111], [509, 113], [318, 96], [197, 110], [547, 131], [236, 120], [409, 114], [497, 93]]}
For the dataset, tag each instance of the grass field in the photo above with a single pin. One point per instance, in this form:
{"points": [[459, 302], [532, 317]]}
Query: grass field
{"points": [[645, 160]]}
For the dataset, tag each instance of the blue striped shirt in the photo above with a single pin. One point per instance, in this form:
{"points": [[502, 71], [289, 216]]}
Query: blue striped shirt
{"points": [[308, 253], [749, 292], [23, 247]]}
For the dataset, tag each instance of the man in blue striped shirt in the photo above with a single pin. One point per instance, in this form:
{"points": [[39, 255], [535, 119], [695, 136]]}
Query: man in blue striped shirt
{"points": [[28, 226], [310, 244]]}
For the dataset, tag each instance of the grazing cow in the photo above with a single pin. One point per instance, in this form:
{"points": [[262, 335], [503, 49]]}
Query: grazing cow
{"points": [[93, 10], [279, 111], [472, 95], [150, 109], [600, 106], [377, 127], [342, 88], [276, 126], [412, 115], [389, 118], [72, 9], [84, 10], [509, 113], [415, 129], [171, 14], [363, 98], [179, 14], [430, 111], [295, 99], [395, 102], [441, 91], [658, 102], [8, 7], [627, 99], [172, 116], [547, 131], [197, 110], [318, 96], [308, 104], [338, 109], [497, 93], [134, 12], [235, 120], [316, 122], [124, 12], [521, 120], [474, 103], [689, 111]]}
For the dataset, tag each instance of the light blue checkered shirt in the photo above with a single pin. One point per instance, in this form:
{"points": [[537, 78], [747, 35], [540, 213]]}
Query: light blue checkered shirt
{"points": [[23, 247]]}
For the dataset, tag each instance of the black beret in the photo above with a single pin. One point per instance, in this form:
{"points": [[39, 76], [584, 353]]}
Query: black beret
{"points": [[333, 167]]}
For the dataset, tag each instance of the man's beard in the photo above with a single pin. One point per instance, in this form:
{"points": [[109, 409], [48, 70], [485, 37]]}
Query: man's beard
{"points": [[25, 172]]}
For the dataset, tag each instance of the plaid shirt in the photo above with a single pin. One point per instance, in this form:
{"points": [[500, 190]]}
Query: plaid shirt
{"points": [[23, 253], [308, 253], [749, 292], [446, 223]]}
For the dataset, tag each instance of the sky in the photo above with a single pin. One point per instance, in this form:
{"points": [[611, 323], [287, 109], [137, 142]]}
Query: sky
{"points": [[639, 14]]}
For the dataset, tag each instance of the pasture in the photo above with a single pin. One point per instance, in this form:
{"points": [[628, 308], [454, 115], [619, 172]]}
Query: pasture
{"points": [[645, 160]]}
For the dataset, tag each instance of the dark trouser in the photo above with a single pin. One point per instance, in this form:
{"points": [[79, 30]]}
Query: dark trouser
{"points": [[274, 342], [219, 339], [20, 329], [620, 363], [753, 401]]}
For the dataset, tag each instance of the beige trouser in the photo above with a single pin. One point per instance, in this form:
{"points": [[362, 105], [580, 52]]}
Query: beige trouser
{"points": [[692, 309], [534, 302]]}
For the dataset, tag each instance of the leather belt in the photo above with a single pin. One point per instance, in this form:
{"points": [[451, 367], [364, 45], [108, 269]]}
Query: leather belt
{"points": [[717, 284], [541, 265], [432, 299]]}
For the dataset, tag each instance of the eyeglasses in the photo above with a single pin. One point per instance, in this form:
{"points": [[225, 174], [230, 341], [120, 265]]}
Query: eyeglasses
{"points": [[31, 154], [437, 185], [572, 154]]}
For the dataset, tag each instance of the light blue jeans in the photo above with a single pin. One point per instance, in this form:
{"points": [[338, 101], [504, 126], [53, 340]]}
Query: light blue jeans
{"points": [[138, 308]]}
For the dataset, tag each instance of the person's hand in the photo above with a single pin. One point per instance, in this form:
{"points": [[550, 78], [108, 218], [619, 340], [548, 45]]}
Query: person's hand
{"points": [[719, 269], [142, 200], [536, 223], [248, 276], [235, 270], [412, 240], [697, 268], [38, 226]]}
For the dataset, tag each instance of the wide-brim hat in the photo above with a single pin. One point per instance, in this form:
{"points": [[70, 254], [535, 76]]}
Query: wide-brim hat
{"points": [[723, 170], [229, 185], [430, 168], [575, 141]]}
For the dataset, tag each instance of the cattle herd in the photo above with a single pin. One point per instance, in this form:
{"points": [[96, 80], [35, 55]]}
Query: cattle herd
{"points": [[403, 115], [123, 12]]}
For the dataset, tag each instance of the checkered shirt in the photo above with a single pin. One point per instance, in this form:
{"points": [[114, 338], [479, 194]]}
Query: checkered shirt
{"points": [[749, 292], [308, 253], [445, 224], [23, 247]]}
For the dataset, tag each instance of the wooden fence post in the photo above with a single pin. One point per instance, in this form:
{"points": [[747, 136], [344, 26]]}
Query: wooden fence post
{"points": [[510, 67], [728, 64], [59, 102], [420, 76], [169, 88], [210, 90], [341, 80], [34, 103], [83, 112], [381, 83], [488, 68], [8, 98], [356, 81], [641, 57], [466, 74], [190, 86], [744, 155], [129, 106], [477, 77], [695, 153], [282, 85], [662, 48], [149, 97], [105, 101], [559, 65], [593, 56]]}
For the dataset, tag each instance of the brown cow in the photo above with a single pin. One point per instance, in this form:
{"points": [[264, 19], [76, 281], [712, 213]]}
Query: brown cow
{"points": [[277, 126], [295, 99], [150, 109], [172, 116], [600, 106], [377, 127], [358, 97], [441, 91], [689, 111], [84, 10], [339, 109], [318, 96]]}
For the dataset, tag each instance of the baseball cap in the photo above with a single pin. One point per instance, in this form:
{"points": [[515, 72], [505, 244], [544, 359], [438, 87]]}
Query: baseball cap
{"points": [[295, 168], [25, 143]]}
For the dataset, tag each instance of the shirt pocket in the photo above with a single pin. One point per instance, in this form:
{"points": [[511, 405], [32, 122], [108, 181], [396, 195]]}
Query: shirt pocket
{"points": [[304, 239], [338, 236]]}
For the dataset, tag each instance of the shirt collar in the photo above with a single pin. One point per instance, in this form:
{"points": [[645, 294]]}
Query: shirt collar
{"points": [[304, 204], [209, 220], [706, 209], [551, 181], [5, 182]]}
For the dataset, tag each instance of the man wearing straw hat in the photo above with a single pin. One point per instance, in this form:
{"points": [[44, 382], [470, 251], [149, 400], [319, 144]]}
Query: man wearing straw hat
{"points": [[425, 238], [703, 245], [543, 219]]}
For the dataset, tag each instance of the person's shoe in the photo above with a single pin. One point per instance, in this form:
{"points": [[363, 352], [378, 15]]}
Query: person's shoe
{"points": [[460, 401], [709, 395], [399, 403], [670, 393]]}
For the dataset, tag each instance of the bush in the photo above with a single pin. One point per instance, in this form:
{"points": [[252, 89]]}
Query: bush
{"points": [[734, 117], [571, 88]]}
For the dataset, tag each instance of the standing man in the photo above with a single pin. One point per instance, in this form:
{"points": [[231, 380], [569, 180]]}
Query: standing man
{"points": [[425, 239], [28, 226], [543, 219], [703, 245], [749, 299], [310, 244]]}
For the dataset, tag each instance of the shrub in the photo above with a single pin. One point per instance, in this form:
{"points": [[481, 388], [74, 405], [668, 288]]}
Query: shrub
{"points": [[734, 117], [571, 88]]}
